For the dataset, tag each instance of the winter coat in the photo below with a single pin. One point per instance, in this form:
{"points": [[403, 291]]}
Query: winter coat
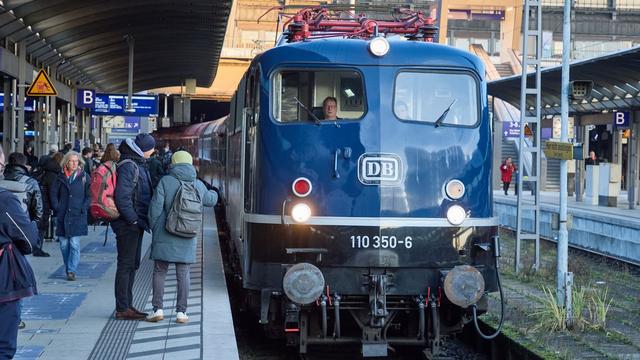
{"points": [[507, 171], [70, 202], [156, 170], [32, 160], [16, 276], [133, 203], [166, 246], [50, 171], [88, 165], [34, 197]]}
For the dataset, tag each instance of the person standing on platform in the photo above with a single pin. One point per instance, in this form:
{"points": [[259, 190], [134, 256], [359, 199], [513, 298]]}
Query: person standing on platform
{"points": [[32, 160], [26, 188], [592, 159], [506, 170], [156, 170], [132, 197], [70, 202], [169, 248], [17, 280], [48, 178], [110, 154], [87, 155]]}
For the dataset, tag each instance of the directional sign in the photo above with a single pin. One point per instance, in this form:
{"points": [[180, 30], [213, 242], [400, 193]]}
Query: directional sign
{"points": [[511, 129], [621, 119], [115, 104], [42, 85], [559, 150], [85, 98]]}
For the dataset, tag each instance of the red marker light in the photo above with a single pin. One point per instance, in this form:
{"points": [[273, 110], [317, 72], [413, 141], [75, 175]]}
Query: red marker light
{"points": [[301, 187]]}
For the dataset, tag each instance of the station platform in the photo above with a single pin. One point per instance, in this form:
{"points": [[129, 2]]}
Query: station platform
{"points": [[74, 319], [612, 231]]}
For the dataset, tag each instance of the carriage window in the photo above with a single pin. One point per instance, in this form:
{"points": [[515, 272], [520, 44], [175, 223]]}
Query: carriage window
{"points": [[442, 98], [318, 95]]}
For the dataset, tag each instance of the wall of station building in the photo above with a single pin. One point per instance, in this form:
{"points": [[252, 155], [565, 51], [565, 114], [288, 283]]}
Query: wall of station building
{"points": [[598, 27]]}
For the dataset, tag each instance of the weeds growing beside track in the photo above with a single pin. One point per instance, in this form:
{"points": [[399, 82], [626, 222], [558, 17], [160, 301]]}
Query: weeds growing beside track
{"points": [[606, 309]]}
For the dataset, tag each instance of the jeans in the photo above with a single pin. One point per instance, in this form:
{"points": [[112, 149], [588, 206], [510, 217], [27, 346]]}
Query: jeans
{"points": [[182, 276], [129, 245], [70, 248], [10, 315]]}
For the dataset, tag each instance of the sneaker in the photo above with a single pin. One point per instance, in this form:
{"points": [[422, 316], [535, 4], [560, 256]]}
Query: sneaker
{"points": [[128, 315], [181, 317], [40, 253], [22, 325], [71, 276], [155, 316]]}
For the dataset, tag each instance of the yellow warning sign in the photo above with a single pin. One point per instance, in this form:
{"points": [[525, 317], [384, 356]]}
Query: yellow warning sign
{"points": [[42, 85], [527, 131]]}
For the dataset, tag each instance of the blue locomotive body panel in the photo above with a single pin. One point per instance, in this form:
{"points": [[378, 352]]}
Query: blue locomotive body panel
{"points": [[429, 156]]}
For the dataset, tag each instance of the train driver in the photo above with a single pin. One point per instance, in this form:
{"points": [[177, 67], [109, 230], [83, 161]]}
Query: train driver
{"points": [[402, 110], [330, 108]]}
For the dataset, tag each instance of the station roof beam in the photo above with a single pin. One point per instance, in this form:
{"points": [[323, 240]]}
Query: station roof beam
{"points": [[616, 84], [175, 40]]}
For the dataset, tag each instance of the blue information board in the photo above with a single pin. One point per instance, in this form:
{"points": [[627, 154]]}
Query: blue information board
{"points": [[115, 104], [29, 103]]}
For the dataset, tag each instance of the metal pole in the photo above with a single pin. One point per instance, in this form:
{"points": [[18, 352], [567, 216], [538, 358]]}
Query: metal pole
{"points": [[131, 42], [14, 115], [563, 243]]}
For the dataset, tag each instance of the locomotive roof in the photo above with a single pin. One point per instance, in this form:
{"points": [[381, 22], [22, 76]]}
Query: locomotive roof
{"points": [[356, 52]]}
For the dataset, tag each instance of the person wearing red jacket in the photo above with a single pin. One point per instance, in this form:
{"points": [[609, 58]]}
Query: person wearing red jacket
{"points": [[507, 169]]}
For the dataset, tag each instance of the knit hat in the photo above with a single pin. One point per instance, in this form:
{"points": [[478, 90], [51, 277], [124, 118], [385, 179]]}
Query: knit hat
{"points": [[145, 142], [181, 157], [53, 147]]}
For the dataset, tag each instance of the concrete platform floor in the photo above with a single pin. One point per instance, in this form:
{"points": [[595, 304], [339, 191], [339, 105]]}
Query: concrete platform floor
{"points": [[74, 319]]}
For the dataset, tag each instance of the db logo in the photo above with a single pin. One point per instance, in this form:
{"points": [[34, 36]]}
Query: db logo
{"points": [[380, 169]]}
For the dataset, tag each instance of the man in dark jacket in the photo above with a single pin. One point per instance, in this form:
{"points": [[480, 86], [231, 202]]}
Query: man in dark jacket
{"points": [[132, 197], [17, 171], [156, 170], [16, 276]]}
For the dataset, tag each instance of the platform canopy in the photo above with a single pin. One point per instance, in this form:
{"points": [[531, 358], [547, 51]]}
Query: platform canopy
{"points": [[174, 40], [616, 84]]}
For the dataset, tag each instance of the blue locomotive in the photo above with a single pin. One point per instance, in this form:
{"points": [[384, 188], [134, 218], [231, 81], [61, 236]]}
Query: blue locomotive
{"points": [[357, 190]]}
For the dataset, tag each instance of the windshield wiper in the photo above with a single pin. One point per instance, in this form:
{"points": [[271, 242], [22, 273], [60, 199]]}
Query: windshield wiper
{"points": [[315, 118], [441, 118]]}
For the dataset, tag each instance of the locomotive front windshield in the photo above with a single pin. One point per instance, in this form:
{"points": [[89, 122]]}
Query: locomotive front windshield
{"points": [[318, 95], [441, 98]]}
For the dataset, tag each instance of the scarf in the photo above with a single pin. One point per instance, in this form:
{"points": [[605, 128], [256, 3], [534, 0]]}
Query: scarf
{"points": [[71, 175]]}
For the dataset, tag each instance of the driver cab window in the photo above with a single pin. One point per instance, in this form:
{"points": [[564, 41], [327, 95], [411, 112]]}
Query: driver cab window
{"points": [[318, 95]]}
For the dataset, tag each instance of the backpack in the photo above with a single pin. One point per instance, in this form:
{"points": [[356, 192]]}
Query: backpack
{"points": [[184, 218], [102, 189], [19, 189]]}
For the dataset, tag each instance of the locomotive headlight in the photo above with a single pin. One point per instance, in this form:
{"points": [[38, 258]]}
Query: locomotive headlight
{"points": [[456, 215], [379, 46], [300, 212], [464, 285], [454, 189]]}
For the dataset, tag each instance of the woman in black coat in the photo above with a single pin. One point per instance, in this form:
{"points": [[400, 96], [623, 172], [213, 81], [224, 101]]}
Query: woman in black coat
{"points": [[48, 177], [70, 200]]}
